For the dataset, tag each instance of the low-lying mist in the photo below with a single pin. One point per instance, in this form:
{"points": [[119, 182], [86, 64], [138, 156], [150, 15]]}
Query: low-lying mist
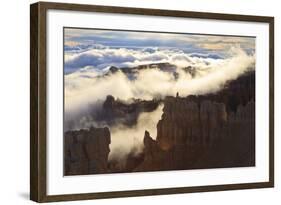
{"points": [[125, 140], [85, 87], [89, 87]]}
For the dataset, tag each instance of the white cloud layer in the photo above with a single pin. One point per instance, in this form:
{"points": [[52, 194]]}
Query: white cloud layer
{"points": [[89, 86], [84, 87]]}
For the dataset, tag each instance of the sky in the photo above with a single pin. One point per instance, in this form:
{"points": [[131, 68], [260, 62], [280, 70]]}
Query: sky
{"points": [[189, 42], [78, 44]]}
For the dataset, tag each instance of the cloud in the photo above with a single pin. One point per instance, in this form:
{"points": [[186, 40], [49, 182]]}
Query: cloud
{"points": [[202, 55], [138, 39], [88, 87], [83, 87], [124, 139], [101, 58]]}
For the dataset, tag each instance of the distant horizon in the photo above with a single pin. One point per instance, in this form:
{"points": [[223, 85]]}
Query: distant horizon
{"points": [[141, 39], [85, 48]]}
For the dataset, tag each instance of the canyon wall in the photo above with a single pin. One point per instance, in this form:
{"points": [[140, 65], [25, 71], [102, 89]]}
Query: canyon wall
{"points": [[205, 131], [201, 135], [86, 151], [195, 132]]}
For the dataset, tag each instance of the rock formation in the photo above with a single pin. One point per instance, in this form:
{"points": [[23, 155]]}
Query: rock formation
{"points": [[186, 122], [86, 151], [195, 132], [206, 131], [203, 135], [115, 111]]}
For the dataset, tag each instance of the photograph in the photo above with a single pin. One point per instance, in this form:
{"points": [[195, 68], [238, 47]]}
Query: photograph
{"points": [[143, 101]]}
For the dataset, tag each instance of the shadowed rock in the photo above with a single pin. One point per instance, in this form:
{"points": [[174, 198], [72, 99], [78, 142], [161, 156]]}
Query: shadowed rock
{"points": [[208, 131], [195, 132], [86, 151]]}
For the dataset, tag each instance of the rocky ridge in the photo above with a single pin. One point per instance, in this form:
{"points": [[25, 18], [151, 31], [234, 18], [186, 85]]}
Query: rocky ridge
{"points": [[204, 131], [86, 151]]}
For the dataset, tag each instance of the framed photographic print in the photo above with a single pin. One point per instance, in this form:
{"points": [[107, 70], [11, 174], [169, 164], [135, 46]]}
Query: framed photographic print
{"points": [[133, 102]]}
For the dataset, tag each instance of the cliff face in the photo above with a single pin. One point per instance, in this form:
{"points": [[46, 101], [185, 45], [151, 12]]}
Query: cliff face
{"points": [[86, 151], [115, 111], [204, 131], [188, 122], [201, 135], [165, 67], [195, 132]]}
